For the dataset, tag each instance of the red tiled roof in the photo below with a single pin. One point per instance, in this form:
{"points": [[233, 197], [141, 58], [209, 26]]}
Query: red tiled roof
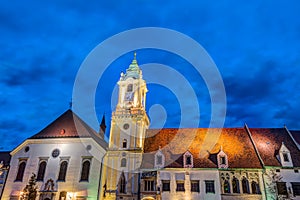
{"points": [[204, 144], [268, 142], [296, 136], [68, 125]]}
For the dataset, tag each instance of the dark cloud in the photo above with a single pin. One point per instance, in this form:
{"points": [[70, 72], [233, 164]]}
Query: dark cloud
{"points": [[255, 45]]}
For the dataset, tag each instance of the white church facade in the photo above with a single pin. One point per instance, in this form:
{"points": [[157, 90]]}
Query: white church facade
{"points": [[72, 161]]}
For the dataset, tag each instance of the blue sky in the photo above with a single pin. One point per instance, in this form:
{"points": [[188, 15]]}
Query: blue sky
{"points": [[255, 45]]}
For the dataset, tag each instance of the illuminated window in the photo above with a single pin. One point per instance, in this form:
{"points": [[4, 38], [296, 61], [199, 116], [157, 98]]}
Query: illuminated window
{"points": [[235, 185], [226, 186], [124, 144], [180, 186], [122, 188], [41, 171], [166, 185], [149, 185], [123, 162], [129, 88], [209, 186], [281, 188], [195, 186], [62, 171], [245, 186], [255, 188], [296, 188], [21, 170], [85, 170]]}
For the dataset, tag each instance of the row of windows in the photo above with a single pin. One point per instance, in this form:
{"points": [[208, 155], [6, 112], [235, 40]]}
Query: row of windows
{"points": [[85, 170], [195, 186], [245, 186]]}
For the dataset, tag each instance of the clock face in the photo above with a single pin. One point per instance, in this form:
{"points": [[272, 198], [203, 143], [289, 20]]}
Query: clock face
{"points": [[129, 96], [55, 153]]}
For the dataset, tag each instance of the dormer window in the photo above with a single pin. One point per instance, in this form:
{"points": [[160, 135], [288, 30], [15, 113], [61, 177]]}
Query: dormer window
{"points": [[285, 156], [222, 159], [188, 160], [159, 159]]}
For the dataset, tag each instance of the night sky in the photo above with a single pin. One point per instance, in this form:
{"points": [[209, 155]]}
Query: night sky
{"points": [[255, 45]]}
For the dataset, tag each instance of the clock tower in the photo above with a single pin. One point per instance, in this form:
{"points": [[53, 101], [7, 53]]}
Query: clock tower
{"points": [[128, 126]]}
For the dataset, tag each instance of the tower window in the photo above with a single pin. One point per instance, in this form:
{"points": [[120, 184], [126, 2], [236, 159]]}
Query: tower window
{"points": [[124, 144], [21, 170], [41, 171], [122, 188], [129, 88], [62, 171], [123, 162]]}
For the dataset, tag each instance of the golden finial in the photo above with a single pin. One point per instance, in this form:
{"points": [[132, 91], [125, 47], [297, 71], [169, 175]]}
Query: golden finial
{"points": [[134, 58]]}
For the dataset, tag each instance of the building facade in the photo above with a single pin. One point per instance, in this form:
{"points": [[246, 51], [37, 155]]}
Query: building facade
{"points": [[72, 161]]}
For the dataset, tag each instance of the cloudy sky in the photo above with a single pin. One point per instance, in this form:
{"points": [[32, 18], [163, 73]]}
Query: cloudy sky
{"points": [[255, 45]]}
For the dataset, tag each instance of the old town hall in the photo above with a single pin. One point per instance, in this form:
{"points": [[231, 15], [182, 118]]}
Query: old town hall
{"points": [[69, 160]]}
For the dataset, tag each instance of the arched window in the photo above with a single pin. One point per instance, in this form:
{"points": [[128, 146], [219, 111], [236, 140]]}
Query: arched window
{"points": [[62, 171], [129, 88], [122, 183], [124, 144], [123, 162], [85, 171], [21, 170], [255, 188], [235, 185], [226, 186], [245, 186], [41, 171]]}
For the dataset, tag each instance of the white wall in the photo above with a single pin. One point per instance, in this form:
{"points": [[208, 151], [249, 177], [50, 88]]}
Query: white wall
{"points": [[73, 148]]}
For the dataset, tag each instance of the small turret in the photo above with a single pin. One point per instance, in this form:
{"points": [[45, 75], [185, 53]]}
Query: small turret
{"points": [[102, 127]]}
